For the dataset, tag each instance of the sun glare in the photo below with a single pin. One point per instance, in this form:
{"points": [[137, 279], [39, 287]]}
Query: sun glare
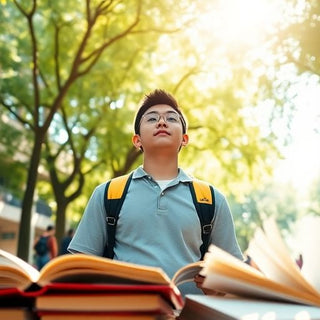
{"points": [[240, 22]]}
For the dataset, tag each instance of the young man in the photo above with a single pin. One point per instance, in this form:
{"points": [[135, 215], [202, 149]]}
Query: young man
{"points": [[158, 224]]}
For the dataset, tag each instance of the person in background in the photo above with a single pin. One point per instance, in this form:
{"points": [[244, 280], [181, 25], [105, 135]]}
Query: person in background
{"points": [[158, 223], [45, 247], [299, 261], [65, 242]]}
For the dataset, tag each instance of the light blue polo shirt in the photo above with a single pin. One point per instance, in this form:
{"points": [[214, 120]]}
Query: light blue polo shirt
{"points": [[155, 227]]}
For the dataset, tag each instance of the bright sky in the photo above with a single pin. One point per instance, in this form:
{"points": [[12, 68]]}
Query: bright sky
{"points": [[302, 163], [238, 22]]}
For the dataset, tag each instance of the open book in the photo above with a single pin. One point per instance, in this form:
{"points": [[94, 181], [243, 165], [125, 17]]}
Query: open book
{"points": [[278, 277], [87, 269], [81, 268]]}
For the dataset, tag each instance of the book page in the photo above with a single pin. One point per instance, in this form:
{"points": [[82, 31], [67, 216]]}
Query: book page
{"points": [[257, 288], [216, 255], [226, 273], [83, 267], [20, 272], [187, 273], [270, 253]]}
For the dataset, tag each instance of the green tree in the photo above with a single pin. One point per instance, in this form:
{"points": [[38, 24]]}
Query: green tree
{"points": [[293, 51], [278, 201], [300, 40], [12, 163], [45, 68], [74, 72], [291, 56], [81, 154]]}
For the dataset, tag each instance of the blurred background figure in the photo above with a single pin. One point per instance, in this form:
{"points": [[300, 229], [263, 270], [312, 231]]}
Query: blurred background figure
{"points": [[45, 247], [65, 242]]}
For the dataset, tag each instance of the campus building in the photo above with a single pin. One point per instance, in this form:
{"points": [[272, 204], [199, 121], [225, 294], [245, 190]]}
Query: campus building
{"points": [[10, 213]]}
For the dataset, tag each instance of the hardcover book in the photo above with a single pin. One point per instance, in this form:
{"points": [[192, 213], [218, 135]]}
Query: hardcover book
{"points": [[91, 272]]}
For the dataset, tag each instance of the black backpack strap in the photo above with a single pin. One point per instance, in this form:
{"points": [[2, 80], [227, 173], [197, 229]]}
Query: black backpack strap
{"points": [[115, 193], [204, 201]]}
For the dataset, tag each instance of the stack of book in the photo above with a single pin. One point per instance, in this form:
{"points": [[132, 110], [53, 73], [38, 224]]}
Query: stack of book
{"points": [[16, 313], [15, 306], [81, 286]]}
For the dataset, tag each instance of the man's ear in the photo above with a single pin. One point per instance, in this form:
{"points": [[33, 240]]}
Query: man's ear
{"points": [[136, 140], [185, 140]]}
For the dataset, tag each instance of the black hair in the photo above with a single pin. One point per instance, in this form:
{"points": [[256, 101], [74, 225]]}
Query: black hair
{"points": [[50, 227], [158, 96]]}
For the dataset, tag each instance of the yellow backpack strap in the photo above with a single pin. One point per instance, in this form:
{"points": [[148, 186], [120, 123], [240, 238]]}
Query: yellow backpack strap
{"points": [[202, 191], [204, 202], [114, 195], [117, 186]]}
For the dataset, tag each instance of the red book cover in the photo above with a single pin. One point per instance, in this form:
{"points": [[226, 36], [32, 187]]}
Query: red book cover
{"points": [[85, 274], [169, 293]]}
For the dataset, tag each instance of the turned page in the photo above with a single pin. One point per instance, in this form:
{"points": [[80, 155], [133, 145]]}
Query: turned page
{"points": [[187, 273], [272, 256], [223, 272]]}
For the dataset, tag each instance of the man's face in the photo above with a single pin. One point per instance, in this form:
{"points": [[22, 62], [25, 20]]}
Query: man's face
{"points": [[160, 127]]}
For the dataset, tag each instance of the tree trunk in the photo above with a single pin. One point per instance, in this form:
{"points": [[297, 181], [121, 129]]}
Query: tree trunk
{"points": [[27, 203]]}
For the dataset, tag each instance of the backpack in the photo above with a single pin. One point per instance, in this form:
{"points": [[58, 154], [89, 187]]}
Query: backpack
{"points": [[115, 192], [41, 247]]}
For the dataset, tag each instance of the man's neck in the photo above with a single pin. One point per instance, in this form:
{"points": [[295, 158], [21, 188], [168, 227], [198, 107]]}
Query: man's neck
{"points": [[161, 168]]}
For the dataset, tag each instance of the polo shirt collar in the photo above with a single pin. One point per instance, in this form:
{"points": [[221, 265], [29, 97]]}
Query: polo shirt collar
{"points": [[182, 176]]}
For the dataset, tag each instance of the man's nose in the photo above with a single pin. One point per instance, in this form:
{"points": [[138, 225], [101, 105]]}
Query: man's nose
{"points": [[162, 120]]}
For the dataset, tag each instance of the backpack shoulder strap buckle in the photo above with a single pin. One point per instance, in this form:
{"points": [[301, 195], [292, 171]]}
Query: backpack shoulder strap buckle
{"points": [[206, 229], [111, 221]]}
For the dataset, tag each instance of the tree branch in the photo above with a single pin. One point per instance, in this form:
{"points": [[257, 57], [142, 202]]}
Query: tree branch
{"points": [[23, 121], [190, 73], [94, 55], [56, 55]]}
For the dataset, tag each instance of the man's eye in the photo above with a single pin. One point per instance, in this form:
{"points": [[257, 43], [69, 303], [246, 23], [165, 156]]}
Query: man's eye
{"points": [[172, 119], [152, 119]]}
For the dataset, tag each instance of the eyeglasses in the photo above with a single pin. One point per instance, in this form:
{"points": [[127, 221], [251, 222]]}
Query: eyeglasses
{"points": [[169, 117]]}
